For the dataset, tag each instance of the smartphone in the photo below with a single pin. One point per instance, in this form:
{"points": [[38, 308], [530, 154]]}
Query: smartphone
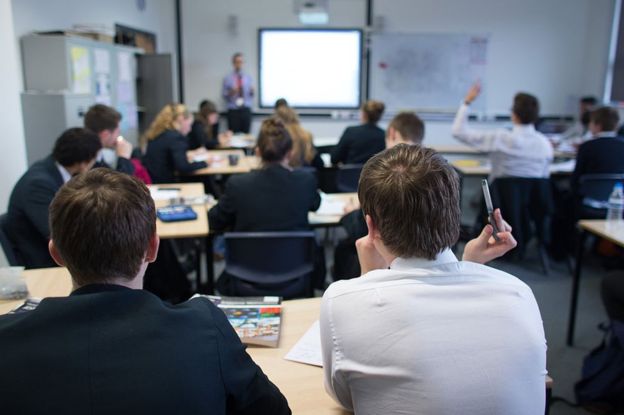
{"points": [[490, 208]]}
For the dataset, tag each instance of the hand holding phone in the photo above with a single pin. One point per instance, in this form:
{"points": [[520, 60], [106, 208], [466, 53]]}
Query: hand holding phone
{"points": [[490, 209]]}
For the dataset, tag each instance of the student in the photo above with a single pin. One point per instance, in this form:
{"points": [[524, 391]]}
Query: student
{"points": [[579, 131], [280, 102], [303, 152], [521, 152], [205, 128], [238, 92], [167, 145], [405, 128], [604, 153], [419, 329], [104, 121], [273, 198], [358, 144], [74, 152], [111, 347]]}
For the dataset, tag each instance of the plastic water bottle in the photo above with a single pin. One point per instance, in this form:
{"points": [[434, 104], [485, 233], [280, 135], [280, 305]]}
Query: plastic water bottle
{"points": [[615, 210]]}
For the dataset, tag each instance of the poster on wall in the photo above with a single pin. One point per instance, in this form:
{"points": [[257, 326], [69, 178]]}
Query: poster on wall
{"points": [[81, 70], [102, 69]]}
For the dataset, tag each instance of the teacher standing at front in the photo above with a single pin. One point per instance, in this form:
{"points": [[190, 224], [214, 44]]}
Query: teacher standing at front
{"points": [[238, 92]]}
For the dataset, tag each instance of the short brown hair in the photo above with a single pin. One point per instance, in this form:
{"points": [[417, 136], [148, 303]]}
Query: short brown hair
{"points": [[606, 117], [373, 110], [412, 195], [526, 108], [410, 126], [101, 223], [274, 141], [102, 117]]}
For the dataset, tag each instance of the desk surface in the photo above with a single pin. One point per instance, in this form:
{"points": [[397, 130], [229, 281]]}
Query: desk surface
{"points": [[301, 384], [316, 219], [218, 163], [610, 231], [479, 167], [185, 229]]}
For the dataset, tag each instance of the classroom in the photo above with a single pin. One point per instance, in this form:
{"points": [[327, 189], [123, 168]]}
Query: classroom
{"points": [[271, 136]]}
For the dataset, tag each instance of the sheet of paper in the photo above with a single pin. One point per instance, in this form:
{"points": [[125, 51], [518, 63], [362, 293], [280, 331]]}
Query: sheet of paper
{"points": [[308, 349], [81, 70], [563, 167], [163, 194], [331, 207]]}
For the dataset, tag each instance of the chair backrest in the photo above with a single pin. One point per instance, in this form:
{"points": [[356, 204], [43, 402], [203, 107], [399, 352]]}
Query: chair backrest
{"points": [[7, 245], [347, 177], [594, 191], [526, 204], [270, 263]]}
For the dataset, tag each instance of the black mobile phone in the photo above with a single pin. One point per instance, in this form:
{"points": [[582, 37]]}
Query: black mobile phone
{"points": [[490, 209]]}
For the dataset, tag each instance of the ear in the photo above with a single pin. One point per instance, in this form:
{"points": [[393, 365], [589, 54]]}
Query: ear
{"points": [[104, 135], [55, 254], [373, 231], [257, 152], [152, 248]]}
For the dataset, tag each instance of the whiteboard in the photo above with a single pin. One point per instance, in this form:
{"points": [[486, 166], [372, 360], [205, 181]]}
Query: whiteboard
{"points": [[425, 71]]}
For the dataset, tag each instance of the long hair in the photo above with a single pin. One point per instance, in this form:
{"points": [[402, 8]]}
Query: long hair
{"points": [[165, 120], [303, 149], [206, 108]]}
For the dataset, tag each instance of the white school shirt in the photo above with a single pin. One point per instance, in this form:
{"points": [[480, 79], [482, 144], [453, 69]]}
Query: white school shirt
{"points": [[434, 337], [520, 152]]}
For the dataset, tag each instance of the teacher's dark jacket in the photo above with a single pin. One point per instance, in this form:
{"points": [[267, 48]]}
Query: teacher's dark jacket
{"points": [[358, 144], [27, 216], [272, 198], [108, 349], [166, 154]]}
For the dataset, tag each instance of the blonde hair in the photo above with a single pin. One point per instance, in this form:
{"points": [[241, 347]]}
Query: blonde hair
{"points": [[303, 149], [167, 119]]}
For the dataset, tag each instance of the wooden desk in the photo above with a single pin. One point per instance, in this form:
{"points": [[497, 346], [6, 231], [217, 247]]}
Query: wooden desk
{"points": [[317, 220], [185, 229], [476, 167], [301, 384], [610, 232], [219, 163]]}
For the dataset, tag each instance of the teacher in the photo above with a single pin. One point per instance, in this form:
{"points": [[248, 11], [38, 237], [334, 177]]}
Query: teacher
{"points": [[238, 92]]}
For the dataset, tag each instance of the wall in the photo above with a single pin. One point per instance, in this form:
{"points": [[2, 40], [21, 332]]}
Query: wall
{"points": [[13, 155], [556, 49]]}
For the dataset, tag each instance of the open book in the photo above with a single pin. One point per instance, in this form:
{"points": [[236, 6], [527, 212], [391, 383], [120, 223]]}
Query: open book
{"points": [[256, 320]]}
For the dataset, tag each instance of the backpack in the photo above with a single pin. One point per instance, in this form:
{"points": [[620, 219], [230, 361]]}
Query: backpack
{"points": [[602, 385]]}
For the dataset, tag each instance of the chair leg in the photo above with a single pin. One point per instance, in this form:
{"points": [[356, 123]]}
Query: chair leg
{"points": [[544, 258]]}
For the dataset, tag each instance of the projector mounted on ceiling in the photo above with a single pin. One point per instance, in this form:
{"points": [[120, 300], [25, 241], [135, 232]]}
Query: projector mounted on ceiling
{"points": [[312, 12]]}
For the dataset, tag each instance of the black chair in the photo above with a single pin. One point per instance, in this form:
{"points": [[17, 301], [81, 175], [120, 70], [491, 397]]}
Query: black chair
{"points": [[527, 205], [593, 195], [7, 245], [270, 263], [347, 177]]}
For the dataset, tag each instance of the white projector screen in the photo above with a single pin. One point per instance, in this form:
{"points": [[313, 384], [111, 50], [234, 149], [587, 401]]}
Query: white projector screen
{"points": [[310, 68]]}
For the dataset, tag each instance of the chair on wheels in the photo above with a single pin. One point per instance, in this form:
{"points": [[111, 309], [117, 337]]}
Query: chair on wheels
{"points": [[270, 263], [347, 177], [7, 245], [527, 205], [593, 195]]}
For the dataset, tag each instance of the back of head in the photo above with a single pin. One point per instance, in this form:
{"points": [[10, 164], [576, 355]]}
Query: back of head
{"points": [[101, 118], [286, 115], [274, 141], [410, 126], [373, 110], [167, 119], [280, 102], [412, 195], [605, 117], [76, 145], [526, 108], [589, 101], [101, 223]]}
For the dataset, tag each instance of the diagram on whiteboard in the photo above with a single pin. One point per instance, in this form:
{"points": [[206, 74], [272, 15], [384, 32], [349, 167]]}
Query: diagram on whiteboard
{"points": [[426, 71]]}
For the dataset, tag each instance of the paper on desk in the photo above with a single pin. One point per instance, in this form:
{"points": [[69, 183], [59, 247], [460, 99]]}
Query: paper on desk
{"points": [[308, 349], [163, 194], [200, 157], [563, 167], [331, 207]]}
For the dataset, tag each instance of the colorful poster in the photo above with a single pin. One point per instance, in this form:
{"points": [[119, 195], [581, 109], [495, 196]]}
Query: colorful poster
{"points": [[81, 70]]}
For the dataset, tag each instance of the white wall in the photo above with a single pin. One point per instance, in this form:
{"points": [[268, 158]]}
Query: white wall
{"points": [[556, 49], [13, 155]]}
